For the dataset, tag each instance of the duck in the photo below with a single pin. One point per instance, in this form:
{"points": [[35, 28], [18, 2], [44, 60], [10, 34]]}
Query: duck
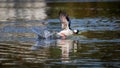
{"points": [[65, 25]]}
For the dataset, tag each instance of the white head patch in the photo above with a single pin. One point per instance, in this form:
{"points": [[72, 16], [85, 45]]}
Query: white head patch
{"points": [[75, 31]]}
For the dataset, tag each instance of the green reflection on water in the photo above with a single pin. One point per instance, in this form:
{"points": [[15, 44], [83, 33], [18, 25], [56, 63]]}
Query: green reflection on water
{"points": [[55, 52], [102, 34], [85, 9]]}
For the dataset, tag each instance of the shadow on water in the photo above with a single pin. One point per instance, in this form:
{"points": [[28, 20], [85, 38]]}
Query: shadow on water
{"points": [[97, 44]]}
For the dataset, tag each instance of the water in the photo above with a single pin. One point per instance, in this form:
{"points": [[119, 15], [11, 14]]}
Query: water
{"points": [[96, 46]]}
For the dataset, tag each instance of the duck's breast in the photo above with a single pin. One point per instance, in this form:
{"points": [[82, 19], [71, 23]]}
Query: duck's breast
{"points": [[66, 32]]}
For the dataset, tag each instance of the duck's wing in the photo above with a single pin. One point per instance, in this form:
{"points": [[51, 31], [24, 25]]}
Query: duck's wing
{"points": [[65, 21], [39, 32]]}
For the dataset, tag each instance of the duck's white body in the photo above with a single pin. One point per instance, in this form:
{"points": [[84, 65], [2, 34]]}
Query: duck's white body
{"points": [[65, 32]]}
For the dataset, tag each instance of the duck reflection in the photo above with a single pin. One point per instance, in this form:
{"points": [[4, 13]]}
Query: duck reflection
{"points": [[67, 46], [64, 46]]}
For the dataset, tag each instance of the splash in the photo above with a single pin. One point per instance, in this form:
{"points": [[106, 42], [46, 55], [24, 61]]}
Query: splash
{"points": [[42, 32]]}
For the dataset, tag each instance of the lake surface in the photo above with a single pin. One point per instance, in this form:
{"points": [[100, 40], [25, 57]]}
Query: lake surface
{"points": [[96, 46]]}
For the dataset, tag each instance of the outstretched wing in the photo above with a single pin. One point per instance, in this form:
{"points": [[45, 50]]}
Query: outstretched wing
{"points": [[65, 22]]}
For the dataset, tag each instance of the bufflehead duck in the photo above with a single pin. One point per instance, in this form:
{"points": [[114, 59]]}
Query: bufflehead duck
{"points": [[65, 25]]}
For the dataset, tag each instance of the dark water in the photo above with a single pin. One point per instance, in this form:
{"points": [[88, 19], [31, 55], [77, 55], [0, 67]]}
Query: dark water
{"points": [[96, 46]]}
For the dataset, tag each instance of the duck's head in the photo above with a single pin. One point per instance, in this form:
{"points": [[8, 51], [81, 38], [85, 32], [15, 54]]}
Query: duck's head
{"points": [[75, 31]]}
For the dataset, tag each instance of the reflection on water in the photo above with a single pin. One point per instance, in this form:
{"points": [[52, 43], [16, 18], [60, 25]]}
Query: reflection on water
{"points": [[60, 52], [12, 10], [97, 44], [66, 47]]}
